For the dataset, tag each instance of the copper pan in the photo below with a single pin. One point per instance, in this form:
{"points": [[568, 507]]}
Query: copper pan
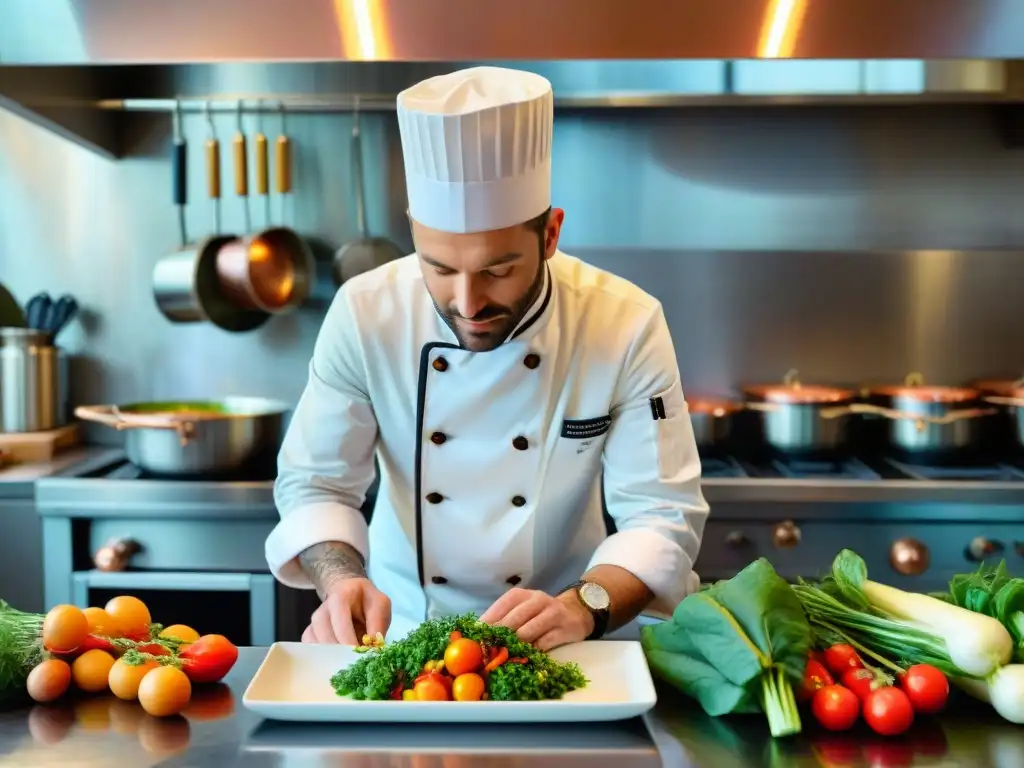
{"points": [[270, 271]]}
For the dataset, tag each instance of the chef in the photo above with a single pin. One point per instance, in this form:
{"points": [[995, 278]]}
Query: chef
{"points": [[501, 385]]}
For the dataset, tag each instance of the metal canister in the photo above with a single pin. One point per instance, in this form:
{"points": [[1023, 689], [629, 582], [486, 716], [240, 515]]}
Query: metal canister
{"points": [[33, 392]]}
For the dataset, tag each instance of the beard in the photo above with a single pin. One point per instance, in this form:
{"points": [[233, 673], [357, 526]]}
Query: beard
{"points": [[499, 330]]}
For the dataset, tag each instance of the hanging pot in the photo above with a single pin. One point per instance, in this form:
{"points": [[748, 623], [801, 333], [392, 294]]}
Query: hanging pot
{"points": [[796, 418]]}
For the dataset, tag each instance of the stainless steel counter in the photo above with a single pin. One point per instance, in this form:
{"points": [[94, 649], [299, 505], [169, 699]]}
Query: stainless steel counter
{"points": [[216, 730]]}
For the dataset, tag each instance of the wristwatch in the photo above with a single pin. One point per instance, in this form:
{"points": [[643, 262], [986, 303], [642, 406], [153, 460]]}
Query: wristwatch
{"points": [[595, 599]]}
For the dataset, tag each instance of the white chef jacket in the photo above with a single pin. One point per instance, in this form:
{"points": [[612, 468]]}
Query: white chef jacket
{"points": [[491, 463]]}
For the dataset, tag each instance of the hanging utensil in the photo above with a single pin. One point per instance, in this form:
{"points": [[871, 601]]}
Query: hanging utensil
{"points": [[262, 166], [364, 253], [179, 173], [213, 169], [185, 283], [241, 155], [271, 270], [283, 162]]}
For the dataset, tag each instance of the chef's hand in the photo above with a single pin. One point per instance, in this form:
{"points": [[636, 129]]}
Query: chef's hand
{"points": [[352, 608], [540, 619]]}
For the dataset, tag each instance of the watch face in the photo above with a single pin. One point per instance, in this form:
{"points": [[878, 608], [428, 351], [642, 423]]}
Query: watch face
{"points": [[595, 596]]}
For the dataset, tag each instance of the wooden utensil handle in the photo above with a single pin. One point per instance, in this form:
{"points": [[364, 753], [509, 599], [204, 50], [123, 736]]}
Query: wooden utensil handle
{"points": [[213, 168], [283, 164], [241, 165], [262, 174]]}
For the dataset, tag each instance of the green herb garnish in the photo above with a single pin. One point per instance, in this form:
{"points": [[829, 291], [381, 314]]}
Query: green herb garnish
{"points": [[380, 670], [20, 649]]}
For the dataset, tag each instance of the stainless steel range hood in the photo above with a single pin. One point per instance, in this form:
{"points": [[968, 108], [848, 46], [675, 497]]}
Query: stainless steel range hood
{"points": [[190, 31], [79, 67]]}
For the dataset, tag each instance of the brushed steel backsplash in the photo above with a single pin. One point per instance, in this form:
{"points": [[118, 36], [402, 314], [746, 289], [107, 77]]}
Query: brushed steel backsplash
{"points": [[853, 243]]}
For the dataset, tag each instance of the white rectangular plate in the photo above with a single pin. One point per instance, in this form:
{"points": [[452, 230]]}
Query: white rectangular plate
{"points": [[294, 683]]}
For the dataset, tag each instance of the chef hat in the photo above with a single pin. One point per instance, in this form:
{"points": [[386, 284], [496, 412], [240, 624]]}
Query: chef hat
{"points": [[477, 148]]}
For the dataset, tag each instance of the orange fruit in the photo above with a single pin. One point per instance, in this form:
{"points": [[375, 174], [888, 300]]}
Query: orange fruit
{"points": [[64, 628], [124, 679], [180, 632], [132, 616], [91, 670], [164, 691]]}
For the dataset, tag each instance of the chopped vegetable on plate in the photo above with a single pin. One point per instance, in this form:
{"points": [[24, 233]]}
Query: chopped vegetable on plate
{"points": [[456, 659]]}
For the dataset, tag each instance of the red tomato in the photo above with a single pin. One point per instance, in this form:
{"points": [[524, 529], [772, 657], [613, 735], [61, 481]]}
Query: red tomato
{"points": [[888, 711], [841, 657], [815, 677], [209, 658], [860, 681], [926, 687], [835, 707]]}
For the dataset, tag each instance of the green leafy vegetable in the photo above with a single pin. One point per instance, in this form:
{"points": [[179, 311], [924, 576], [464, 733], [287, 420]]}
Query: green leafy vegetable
{"points": [[992, 591], [738, 647], [377, 673], [20, 649]]}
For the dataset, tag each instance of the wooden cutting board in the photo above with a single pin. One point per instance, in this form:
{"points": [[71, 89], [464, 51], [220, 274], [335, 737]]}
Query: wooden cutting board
{"points": [[23, 447]]}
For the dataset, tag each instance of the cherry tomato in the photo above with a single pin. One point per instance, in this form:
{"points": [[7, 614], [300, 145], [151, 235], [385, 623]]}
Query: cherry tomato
{"points": [[463, 656], [888, 711], [841, 657], [926, 687], [861, 681], [468, 687], [815, 677], [209, 658], [430, 689], [835, 707]]}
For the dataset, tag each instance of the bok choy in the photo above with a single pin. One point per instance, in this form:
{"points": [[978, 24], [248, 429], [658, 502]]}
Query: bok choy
{"points": [[972, 648], [739, 646]]}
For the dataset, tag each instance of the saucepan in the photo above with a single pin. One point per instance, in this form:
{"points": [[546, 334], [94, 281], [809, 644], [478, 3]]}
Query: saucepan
{"points": [[801, 419], [712, 420], [928, 421], [196, 437], [1011, 398]]}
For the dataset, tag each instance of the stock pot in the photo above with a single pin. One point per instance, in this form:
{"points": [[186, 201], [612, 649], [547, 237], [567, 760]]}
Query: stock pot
{"points": [[928, 421], [194, 438], [712, 420], [801, 419]]}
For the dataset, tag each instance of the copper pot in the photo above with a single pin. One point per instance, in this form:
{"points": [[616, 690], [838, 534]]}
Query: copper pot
{"points": [[929, 419], [711, 419], [800, 418], [271, 271]]}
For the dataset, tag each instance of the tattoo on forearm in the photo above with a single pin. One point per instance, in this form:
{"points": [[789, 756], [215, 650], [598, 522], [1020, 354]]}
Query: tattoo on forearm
{"points": [[330, 562]]}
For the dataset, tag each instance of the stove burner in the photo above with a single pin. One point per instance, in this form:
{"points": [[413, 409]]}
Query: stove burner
{"points": [[727, 467], [850, 469], [992, 472], [128, 471]]}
